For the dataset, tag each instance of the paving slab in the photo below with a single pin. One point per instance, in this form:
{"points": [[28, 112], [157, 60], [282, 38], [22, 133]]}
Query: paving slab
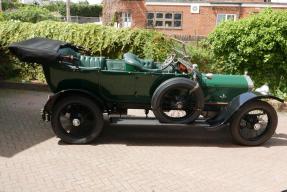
{"points": [[148, 158]]}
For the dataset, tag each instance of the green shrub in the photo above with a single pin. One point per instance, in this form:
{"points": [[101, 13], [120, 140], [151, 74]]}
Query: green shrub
{"points": [[77, 9], [257, 44], [1, 17], [6, 5], [95, 39], [8, 67], [31, 14], [201, 55], [85, 10]]}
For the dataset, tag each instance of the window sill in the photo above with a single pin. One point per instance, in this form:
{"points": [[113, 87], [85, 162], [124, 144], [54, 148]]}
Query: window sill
{"points": [[166, 28]]}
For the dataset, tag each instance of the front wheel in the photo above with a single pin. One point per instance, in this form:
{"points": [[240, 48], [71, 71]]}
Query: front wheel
{"points": [[254, 123], [177, 100], [77, 120]]}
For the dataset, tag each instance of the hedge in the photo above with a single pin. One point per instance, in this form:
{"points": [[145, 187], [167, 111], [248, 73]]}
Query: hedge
{"points": [[257, 44], [29, 13], [95, 39], [77, 9], [7, 4]]}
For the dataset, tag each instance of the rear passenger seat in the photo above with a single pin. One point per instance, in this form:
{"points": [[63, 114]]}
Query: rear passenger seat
{"points": [[92, 62], [115, 65], [101, 63]]}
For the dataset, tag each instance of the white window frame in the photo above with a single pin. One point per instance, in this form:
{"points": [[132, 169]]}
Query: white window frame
{"points": [[225, 17], [124, 19], [163, 20], [127, 19]]}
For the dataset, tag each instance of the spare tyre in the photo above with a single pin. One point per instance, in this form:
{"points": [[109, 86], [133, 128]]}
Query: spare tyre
{"points": [[177, 100]]}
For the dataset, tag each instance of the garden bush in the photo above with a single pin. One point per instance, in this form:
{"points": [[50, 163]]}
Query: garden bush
{"points": [[1, 17], [8, 4], [95, 39], [29, 14], [257, 44], [201, 55]]}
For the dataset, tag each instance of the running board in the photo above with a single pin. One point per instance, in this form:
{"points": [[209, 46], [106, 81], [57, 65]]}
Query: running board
{"points": [[150, 121]]}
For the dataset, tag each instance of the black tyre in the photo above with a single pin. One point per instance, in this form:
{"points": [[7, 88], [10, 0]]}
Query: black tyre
{"points": [[254, 123], [77, 120], [177, 100]]}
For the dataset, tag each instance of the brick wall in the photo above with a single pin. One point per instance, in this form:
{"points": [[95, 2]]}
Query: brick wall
{"points": [[203, 23], [193, 24], [137, 9], [241, 1]]}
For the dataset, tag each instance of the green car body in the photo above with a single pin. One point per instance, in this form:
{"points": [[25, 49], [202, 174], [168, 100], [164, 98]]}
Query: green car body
{"points": [[86, 87], [122, 85]]}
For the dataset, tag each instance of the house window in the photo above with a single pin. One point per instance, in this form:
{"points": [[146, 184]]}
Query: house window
{"points": [[123, 19], [225, 17], [165, 20], [127, 19]]}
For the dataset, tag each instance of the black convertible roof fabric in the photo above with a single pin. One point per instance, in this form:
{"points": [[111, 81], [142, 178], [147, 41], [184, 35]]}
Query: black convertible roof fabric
{"points": [[39, 50]]}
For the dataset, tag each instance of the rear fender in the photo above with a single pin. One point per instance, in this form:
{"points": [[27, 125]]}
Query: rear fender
{"points": [[237, 102], [53, 99]]}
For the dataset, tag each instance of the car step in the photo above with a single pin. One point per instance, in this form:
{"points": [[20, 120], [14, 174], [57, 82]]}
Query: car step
{"points": [[150, 121]]}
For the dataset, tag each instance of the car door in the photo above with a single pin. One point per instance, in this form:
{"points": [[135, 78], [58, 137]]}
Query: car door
{"points": [[117, 86], [147, 82]]}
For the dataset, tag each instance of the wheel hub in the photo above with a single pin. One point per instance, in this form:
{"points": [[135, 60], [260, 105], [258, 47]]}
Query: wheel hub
{"points": [[179, 105], [76, 122], [257, 126]]}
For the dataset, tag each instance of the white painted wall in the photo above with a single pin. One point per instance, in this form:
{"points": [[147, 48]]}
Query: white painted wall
{"points": [[279, 1]]}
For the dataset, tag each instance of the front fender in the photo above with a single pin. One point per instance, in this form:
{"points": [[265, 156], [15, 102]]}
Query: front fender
{"points": [[226, 114]]}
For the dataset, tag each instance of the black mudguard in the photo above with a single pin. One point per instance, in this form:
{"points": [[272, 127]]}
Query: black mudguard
{"points": [[237, 102], [69, 92]]}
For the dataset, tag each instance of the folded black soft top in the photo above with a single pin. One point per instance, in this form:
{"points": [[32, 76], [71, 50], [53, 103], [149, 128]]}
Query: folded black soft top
{"points": [[39, 50]]}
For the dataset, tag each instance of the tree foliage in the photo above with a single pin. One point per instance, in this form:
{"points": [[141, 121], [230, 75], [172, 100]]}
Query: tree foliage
{"points": [[29, 14], [257, 44], [77, 9], [10, 4], [201, 55], [95, 39], [1, 17]]}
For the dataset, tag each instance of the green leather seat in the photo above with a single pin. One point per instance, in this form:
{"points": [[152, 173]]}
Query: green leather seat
{"points": [[115, 65], [92, 62], [84, 61], [133, 63]]}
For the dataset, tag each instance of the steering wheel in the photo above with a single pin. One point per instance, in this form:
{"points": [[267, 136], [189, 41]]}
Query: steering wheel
{"points": [[169, 61]]}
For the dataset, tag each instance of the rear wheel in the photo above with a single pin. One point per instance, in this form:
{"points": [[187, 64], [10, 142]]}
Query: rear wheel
{"points": [[77, 120], [177, 100], [254, 123]]}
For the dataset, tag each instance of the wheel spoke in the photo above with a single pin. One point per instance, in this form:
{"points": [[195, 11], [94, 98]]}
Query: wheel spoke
{"points": [[79, 113], [254, 124], [177, 103]]}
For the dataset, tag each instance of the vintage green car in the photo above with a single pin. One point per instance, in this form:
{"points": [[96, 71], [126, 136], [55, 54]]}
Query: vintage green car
{"points": [[86, 87]]}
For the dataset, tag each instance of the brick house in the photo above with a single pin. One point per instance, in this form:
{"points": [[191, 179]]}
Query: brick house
{"points": [[124, 13], [188, 17]]}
